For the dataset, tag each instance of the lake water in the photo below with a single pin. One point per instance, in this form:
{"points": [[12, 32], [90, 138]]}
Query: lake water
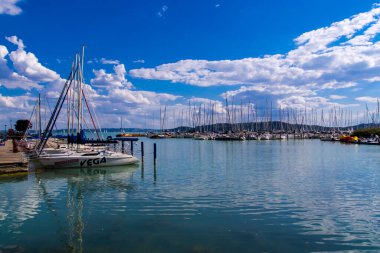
{"points": [[206, 196]]}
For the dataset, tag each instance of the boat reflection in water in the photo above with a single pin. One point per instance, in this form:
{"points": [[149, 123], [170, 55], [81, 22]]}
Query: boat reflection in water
{"points": [[60, 197], [80, 183]]}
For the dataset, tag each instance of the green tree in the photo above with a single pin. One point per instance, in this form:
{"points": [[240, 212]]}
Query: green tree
{"points": [[366, 132], [22, 125]]}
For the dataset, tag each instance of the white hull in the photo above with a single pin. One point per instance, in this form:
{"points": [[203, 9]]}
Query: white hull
{"points": [[84, 160]]}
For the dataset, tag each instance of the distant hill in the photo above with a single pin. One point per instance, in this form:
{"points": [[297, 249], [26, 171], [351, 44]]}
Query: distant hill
{"points": [[269, 126], [253, 126]]}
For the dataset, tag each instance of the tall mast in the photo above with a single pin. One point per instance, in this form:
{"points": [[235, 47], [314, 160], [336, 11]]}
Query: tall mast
{"points": [[39, 116], [78, 95], [160, 121], [81, 86], [80, 60]]}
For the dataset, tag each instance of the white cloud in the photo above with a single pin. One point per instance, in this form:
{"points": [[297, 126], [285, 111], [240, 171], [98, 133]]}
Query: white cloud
{"points": [[373, 79], [27, 64], [338, 85], [4, 70], [11, 79], [302, 102], [369, 34], [140, 97], [326, 58], [15, 107], [18, 102], [335, 97], [272, 90], [14, 80], [367, 99], [162, 11], [18, 42], [3, 51], [114, 80], [340, 56], [215, 104], [119, 88], [110, 93], [9, 7], [112, 62], [317, 40]]}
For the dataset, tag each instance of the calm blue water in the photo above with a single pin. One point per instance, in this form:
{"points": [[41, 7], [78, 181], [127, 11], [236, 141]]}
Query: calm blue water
{"points": [[206, 196]]}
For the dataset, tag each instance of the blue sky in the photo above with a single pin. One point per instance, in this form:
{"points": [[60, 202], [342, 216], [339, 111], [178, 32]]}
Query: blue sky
{"points": [[145, 54]]}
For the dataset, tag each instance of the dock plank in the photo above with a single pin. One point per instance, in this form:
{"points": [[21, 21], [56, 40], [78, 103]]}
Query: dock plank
{"points": [[11, 162]]}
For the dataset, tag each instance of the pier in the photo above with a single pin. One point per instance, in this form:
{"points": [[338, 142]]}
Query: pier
{"points": [[11, 162]]}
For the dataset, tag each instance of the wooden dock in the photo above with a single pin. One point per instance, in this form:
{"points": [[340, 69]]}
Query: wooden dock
{"points": [[11, 162]]}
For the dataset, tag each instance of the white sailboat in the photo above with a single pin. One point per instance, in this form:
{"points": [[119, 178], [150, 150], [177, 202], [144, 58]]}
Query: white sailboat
{"points": [[74, 159], [76, 155]]}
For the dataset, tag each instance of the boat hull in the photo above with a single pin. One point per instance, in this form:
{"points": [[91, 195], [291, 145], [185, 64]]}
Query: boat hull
{"points": [[84, 161]]}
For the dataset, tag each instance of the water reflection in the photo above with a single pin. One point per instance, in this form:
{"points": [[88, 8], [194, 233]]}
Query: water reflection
{"points": [[60, 196], [294, 196], [80, 185]]}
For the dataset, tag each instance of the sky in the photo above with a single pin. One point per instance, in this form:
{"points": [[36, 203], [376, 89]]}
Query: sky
{"points": [[145, 55]]}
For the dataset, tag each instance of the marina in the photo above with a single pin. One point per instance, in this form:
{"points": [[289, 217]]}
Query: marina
{"points": [[189, 126], [269, 185], [292, 196]]}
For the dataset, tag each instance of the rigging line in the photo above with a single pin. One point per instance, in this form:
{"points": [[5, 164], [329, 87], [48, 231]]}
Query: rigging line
{"points": [[51, 112], [56, 111], [88, 108], [95, 118], [97, 121], [31, 116]]}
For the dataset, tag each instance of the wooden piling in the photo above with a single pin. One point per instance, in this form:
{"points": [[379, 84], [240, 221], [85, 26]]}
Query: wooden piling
{"points": [[142, 152], [131, 147], [14, 146], [155, 154]]}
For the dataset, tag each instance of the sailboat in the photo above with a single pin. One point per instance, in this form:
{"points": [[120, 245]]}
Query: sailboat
{"points": [[74, 159], [76, 154], [122, 132]]}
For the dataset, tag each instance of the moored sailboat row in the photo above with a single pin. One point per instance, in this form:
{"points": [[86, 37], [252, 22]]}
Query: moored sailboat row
{"points": [[76, 153]]}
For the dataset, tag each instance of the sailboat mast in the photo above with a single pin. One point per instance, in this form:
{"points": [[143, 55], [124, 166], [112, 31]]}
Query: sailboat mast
{"points": [[78, 96], [39, 116], [80, 61], [81, 86]]}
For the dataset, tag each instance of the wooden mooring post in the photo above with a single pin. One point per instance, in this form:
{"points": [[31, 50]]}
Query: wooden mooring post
{"points": [[155, 155], [142, 152], [155, 161]]}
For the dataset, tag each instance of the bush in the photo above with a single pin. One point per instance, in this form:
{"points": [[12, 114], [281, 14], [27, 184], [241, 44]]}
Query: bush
{"points": [[367, 132]]}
